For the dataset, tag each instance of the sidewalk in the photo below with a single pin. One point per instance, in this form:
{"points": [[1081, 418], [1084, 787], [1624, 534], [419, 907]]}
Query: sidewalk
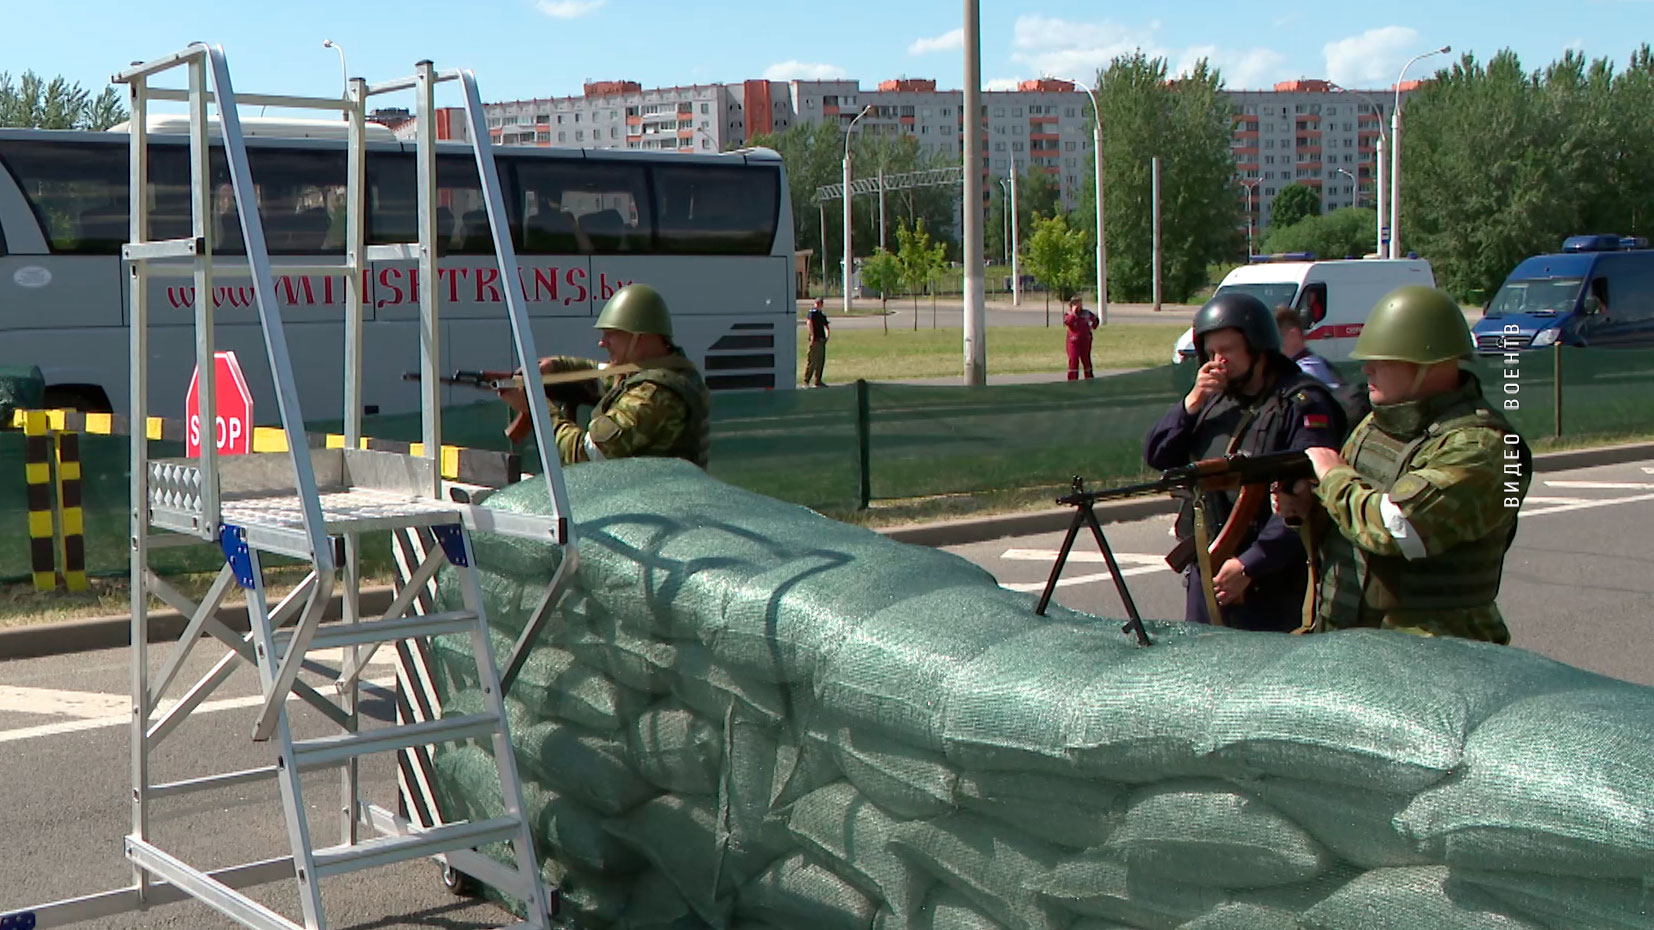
{"points": [[166, 625]]}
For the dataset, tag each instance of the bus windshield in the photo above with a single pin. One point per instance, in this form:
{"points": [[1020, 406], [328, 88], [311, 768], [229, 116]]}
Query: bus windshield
{"points": [[1539, 296]]}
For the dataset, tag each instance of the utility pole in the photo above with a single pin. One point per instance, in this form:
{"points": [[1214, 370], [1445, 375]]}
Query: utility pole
{"points": [[849, 255], [1016, 243], [976, 356], [1155, 172]]}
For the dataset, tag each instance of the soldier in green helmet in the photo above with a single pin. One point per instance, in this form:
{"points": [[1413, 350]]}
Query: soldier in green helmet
{"points": [[1420, 506], [651, 401]]}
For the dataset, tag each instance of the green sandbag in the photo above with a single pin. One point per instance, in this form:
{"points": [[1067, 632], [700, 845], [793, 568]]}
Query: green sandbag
{"points": [[907, 782], [588, 767], [654, 903], [683, 838], [551, 686], [802, 765], [1233, 916], [675, 750], [1092, 884], [596, 639], [796, 892], [1065, 811], [1409, 898], [1356, 826], [593, 899], [1005, 709], [889, 673], [943, 909], [575, 836], [1209, 833], [708, 688], [1367, 708], [997, 869], [1559, 783], [1273, 907], [840, 827], [1576, 903], [747, 786]]}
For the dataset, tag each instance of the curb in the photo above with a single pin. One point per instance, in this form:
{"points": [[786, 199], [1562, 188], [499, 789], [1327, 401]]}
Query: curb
{"points": [[167, 625]]}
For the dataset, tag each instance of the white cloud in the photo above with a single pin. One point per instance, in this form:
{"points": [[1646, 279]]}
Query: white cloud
{"points": [[802, 71], [1065, 48], [947, 41], [1371, 59], [1242, 69], [569, 9], [1002, 84]]}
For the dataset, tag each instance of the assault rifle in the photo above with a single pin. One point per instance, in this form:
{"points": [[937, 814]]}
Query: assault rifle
{"points": [[505, 380], [1251, 474]]}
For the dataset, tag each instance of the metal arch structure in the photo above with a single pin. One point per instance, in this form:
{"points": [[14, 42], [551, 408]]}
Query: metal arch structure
{"points": [[930, 177]]}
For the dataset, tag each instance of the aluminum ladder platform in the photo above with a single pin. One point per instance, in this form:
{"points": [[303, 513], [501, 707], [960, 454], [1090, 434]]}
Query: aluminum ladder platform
{"points": [[313, 505]]}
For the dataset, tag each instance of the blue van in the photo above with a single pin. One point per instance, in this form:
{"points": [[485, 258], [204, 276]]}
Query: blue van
{"points": [[1598, 291]]}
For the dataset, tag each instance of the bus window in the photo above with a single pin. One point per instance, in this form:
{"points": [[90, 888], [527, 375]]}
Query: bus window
{"points": [[610, 206], [300, 199], [77, 192], [538, 212], [462, 221], [706, 209]]}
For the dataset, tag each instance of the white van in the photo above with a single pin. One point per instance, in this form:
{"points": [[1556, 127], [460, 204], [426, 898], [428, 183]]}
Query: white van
{"points": [[1334, 297]]}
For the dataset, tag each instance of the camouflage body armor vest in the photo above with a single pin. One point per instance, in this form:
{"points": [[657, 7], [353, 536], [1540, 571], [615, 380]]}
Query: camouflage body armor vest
{"points": [[1360, 588], [694, 442]]}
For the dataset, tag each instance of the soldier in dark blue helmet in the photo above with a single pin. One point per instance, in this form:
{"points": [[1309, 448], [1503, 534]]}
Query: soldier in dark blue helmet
{"points": [[1247, 397]]}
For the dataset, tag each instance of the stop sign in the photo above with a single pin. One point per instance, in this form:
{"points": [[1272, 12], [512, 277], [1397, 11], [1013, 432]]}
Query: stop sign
{"points": [[234, 429]]}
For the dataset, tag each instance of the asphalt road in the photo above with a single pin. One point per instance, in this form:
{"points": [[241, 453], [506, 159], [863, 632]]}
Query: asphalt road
{"points": [[1578, 585], [64, 778]]}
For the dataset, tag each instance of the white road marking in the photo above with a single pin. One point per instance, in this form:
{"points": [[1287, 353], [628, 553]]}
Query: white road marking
{"points": [[1067, 581], [1602, 485], [380, 688], [1583, 505], [1078, 554], [1535, 499], [89, 704]]}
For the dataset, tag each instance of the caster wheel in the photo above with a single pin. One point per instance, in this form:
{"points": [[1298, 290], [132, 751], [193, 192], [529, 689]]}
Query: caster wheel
{"points": [[458, 883]]}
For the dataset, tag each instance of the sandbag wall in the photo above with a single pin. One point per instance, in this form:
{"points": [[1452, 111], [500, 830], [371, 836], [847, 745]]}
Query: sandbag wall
{"points": [[748, 716]]}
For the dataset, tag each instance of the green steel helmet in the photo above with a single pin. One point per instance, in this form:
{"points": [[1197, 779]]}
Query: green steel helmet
{"points": [[1242, 311], [1415, 324], [636, 308]]}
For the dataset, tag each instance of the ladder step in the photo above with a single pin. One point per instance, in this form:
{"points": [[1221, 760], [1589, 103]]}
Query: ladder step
{"points": [[385, 850], [163, 248], [395, 251], [339, 747], [334, 635]]}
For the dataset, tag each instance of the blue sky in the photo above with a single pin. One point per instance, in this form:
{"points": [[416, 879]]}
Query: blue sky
{"points": [[538, 48]]}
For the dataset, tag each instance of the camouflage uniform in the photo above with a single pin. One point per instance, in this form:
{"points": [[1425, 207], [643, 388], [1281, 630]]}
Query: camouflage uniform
{"points": [[1423, 515], [661, 411]]}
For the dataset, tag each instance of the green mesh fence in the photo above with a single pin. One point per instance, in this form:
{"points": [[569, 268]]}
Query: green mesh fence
{"points": [[835, 450], [902, 744]]}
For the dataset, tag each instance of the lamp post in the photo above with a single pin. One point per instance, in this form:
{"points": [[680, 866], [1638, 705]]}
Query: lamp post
{"points": [[1097, 165], [848, 259], [1395, 151], [1249, 189], [1381, 241], [1355, 186], [344, 72]]}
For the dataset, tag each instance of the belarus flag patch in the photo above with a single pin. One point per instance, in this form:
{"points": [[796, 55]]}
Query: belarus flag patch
{"points": [[1316, 421]]}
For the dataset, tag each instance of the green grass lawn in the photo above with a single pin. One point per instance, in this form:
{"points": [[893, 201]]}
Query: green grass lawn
{"points": [[936, 353]]}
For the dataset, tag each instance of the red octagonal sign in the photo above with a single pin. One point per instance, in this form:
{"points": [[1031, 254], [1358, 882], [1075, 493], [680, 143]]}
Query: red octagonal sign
{"points": [[234, 429]]}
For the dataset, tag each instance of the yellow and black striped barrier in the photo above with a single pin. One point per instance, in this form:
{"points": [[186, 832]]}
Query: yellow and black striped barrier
{"points": [[52, 465]]}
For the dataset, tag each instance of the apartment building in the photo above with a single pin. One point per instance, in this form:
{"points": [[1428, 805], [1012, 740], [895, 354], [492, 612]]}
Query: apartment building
{"points": [[1305, 131]]}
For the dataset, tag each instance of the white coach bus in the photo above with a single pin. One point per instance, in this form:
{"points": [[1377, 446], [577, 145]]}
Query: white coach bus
{"points": [[712, 232]]}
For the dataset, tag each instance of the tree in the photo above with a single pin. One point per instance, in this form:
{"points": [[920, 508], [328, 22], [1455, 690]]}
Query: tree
{"points": [[1293, 203], [1477, 202], [882, 272], [1345, 233], [36, 103], [1056, 255], [1186, 122]]}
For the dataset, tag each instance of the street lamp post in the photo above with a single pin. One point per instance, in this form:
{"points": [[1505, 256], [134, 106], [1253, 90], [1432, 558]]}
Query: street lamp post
{"points": [[344, 72], [1249, 188], [1381, 239], [1097, 165], [1355, 186], [1395, 151], [848, 255], [1016, 268]]}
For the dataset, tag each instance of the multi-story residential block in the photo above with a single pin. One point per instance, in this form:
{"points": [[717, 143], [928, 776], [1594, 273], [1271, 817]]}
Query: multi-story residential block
{"points": [[1306, 131]]}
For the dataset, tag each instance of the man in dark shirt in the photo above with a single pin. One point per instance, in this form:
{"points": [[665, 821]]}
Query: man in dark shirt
{"points": [[1250, 398], [816, 359]]}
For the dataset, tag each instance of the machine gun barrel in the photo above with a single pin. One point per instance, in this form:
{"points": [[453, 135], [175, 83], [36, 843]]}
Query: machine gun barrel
{"points": [[1228, 471]]}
